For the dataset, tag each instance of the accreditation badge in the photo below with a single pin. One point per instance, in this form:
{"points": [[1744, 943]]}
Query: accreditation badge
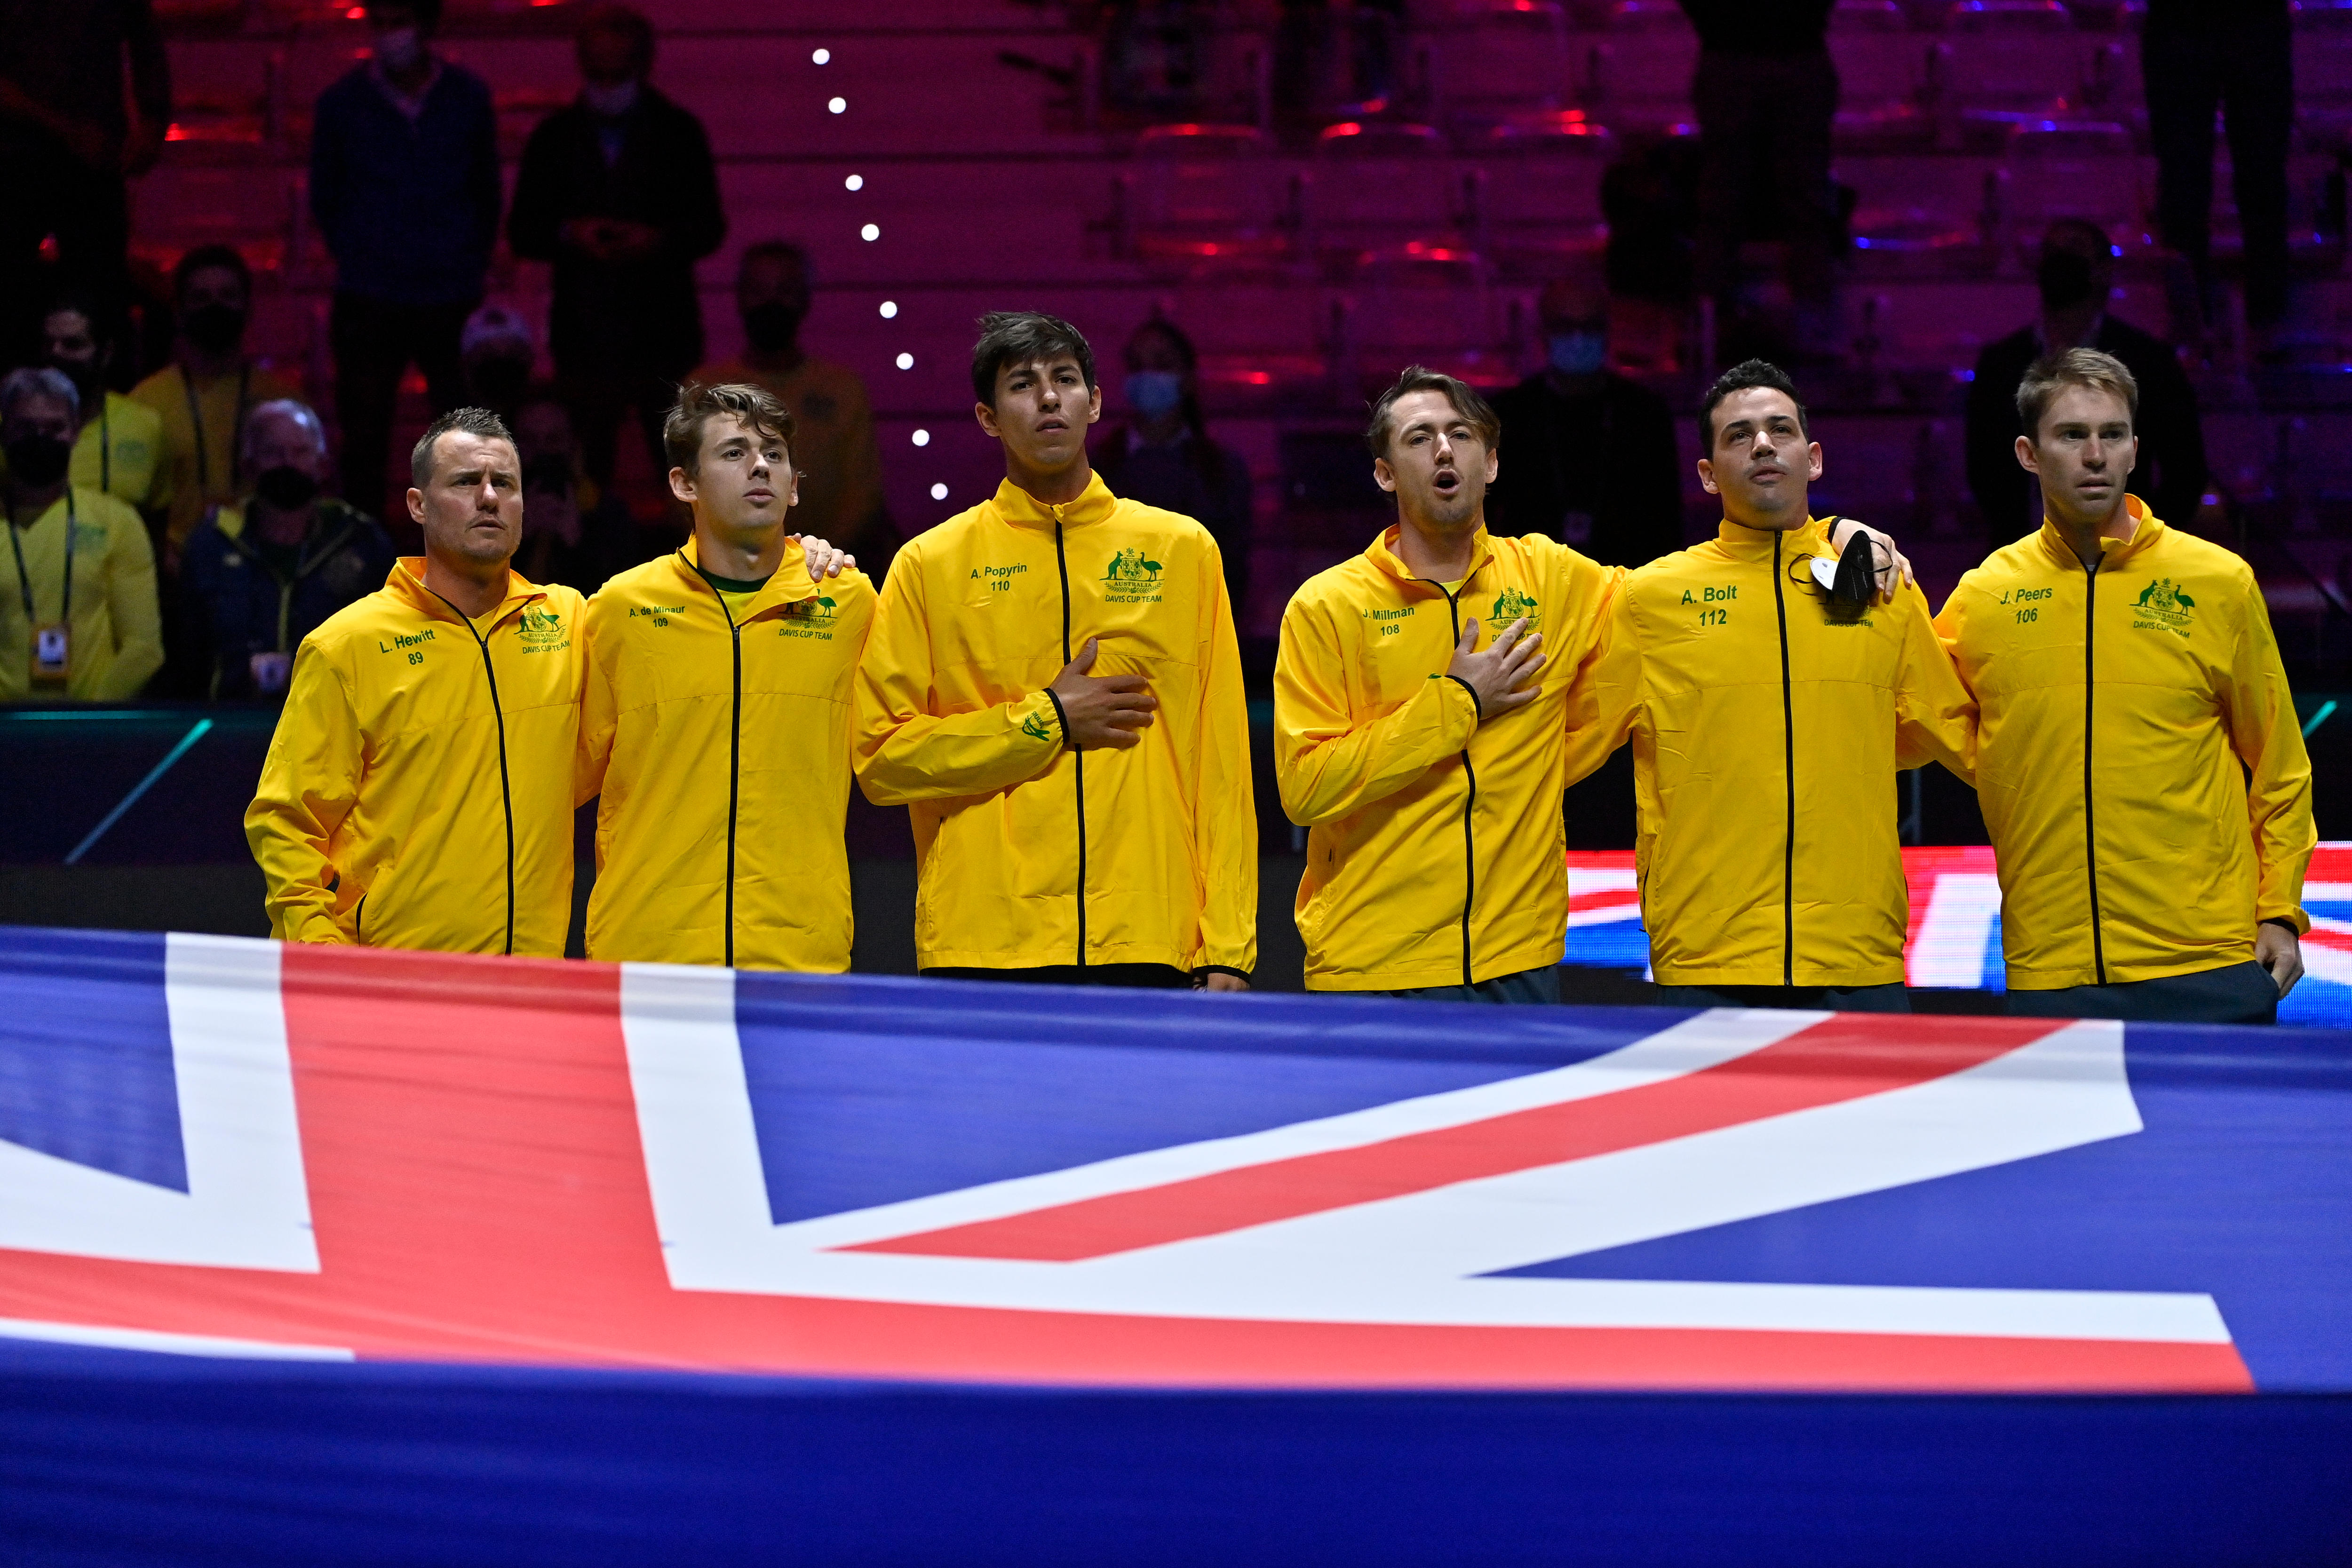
{"points": [[50, 662]]}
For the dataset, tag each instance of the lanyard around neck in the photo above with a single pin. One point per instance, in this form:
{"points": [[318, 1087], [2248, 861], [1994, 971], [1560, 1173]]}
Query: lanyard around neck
{"points": [[197, 422], [24, 582]]}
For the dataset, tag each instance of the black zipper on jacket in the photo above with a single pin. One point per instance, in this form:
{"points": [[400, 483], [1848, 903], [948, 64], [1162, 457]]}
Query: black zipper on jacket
{"points": [[734, 759], [2090, 833], [506, 789], [1469, 801], [1789, 767], [1077, 758]]}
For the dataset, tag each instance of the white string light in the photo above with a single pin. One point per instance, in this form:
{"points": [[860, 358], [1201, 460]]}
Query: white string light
{"points": [[906, 361], [837, 105], [871, 231], [855, 182], [939, 492], [889, 309], [922, 437], [822, 57]]}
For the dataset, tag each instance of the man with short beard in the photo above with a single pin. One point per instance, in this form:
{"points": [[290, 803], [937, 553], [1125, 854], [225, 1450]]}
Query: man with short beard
{"points": [[119, 451], [2142, 773]]}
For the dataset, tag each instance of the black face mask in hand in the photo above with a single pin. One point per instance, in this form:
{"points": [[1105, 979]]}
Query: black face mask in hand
{"points": [[771, 325], [39, 461], [214, 329], [285, 487]]}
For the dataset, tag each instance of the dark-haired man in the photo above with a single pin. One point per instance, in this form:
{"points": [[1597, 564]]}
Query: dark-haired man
{"points": [[202, 395], [120, 449], [1769, 704], [2141, 770], [718, 716], [1053, 685], [418, 791], [1427, 769]]}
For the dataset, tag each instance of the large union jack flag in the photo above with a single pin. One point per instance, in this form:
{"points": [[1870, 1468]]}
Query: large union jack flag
{"points": [[219, 1146]]}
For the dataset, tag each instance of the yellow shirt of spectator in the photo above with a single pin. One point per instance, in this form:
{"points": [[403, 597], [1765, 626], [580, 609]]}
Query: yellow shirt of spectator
{"points": [[1435, 842], [419, 789], [84, 564], [2142, 774], [1767, 724], [1031, 855], [717, 727], [121, 454]]}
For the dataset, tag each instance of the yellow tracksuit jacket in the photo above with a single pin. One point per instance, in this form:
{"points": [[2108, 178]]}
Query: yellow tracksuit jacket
{"points": [[1767, 730], [114, 640], [718, 734], [1434, 856], [1031, 854], [419, 789], [2119, 705]]}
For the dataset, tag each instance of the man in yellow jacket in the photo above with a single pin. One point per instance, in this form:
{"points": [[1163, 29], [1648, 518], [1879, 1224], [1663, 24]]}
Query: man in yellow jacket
{"points": [[718, 716], [77, 613], [1053, 685], [1771, 701], [2140, 768], [418, 791], [1427, 771]]}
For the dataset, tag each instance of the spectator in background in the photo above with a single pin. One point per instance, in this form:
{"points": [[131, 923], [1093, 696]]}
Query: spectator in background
{"points": [[120, 450], [574, 532], [618, 191], [1588, 457], [404, 187], [261, 573], [2076, 276], [68, 138], [2237, 55], [77, 619], [1162, 456], [202, 396], [498, 353], [833, 452], [1766, 94]]}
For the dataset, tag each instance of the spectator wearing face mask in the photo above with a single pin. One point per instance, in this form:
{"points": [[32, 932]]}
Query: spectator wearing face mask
{"points": [[1162, 454], [2076, 276], [120, 449], [618, 191], [262, 572], [1588, 457], [202, 395], [404, 187], [833, 451], [574, 532], [77, 619]]}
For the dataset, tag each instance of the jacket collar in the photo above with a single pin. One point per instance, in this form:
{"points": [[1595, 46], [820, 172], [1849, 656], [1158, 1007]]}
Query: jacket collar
{"points": [[2147, 529], [406, 584], [789, 583], [1382, 554], [1743, 543], [1021, 509]]}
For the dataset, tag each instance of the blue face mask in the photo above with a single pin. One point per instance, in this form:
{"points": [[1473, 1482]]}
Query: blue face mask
{"points": [[1154, 392], [1578, 353]]}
